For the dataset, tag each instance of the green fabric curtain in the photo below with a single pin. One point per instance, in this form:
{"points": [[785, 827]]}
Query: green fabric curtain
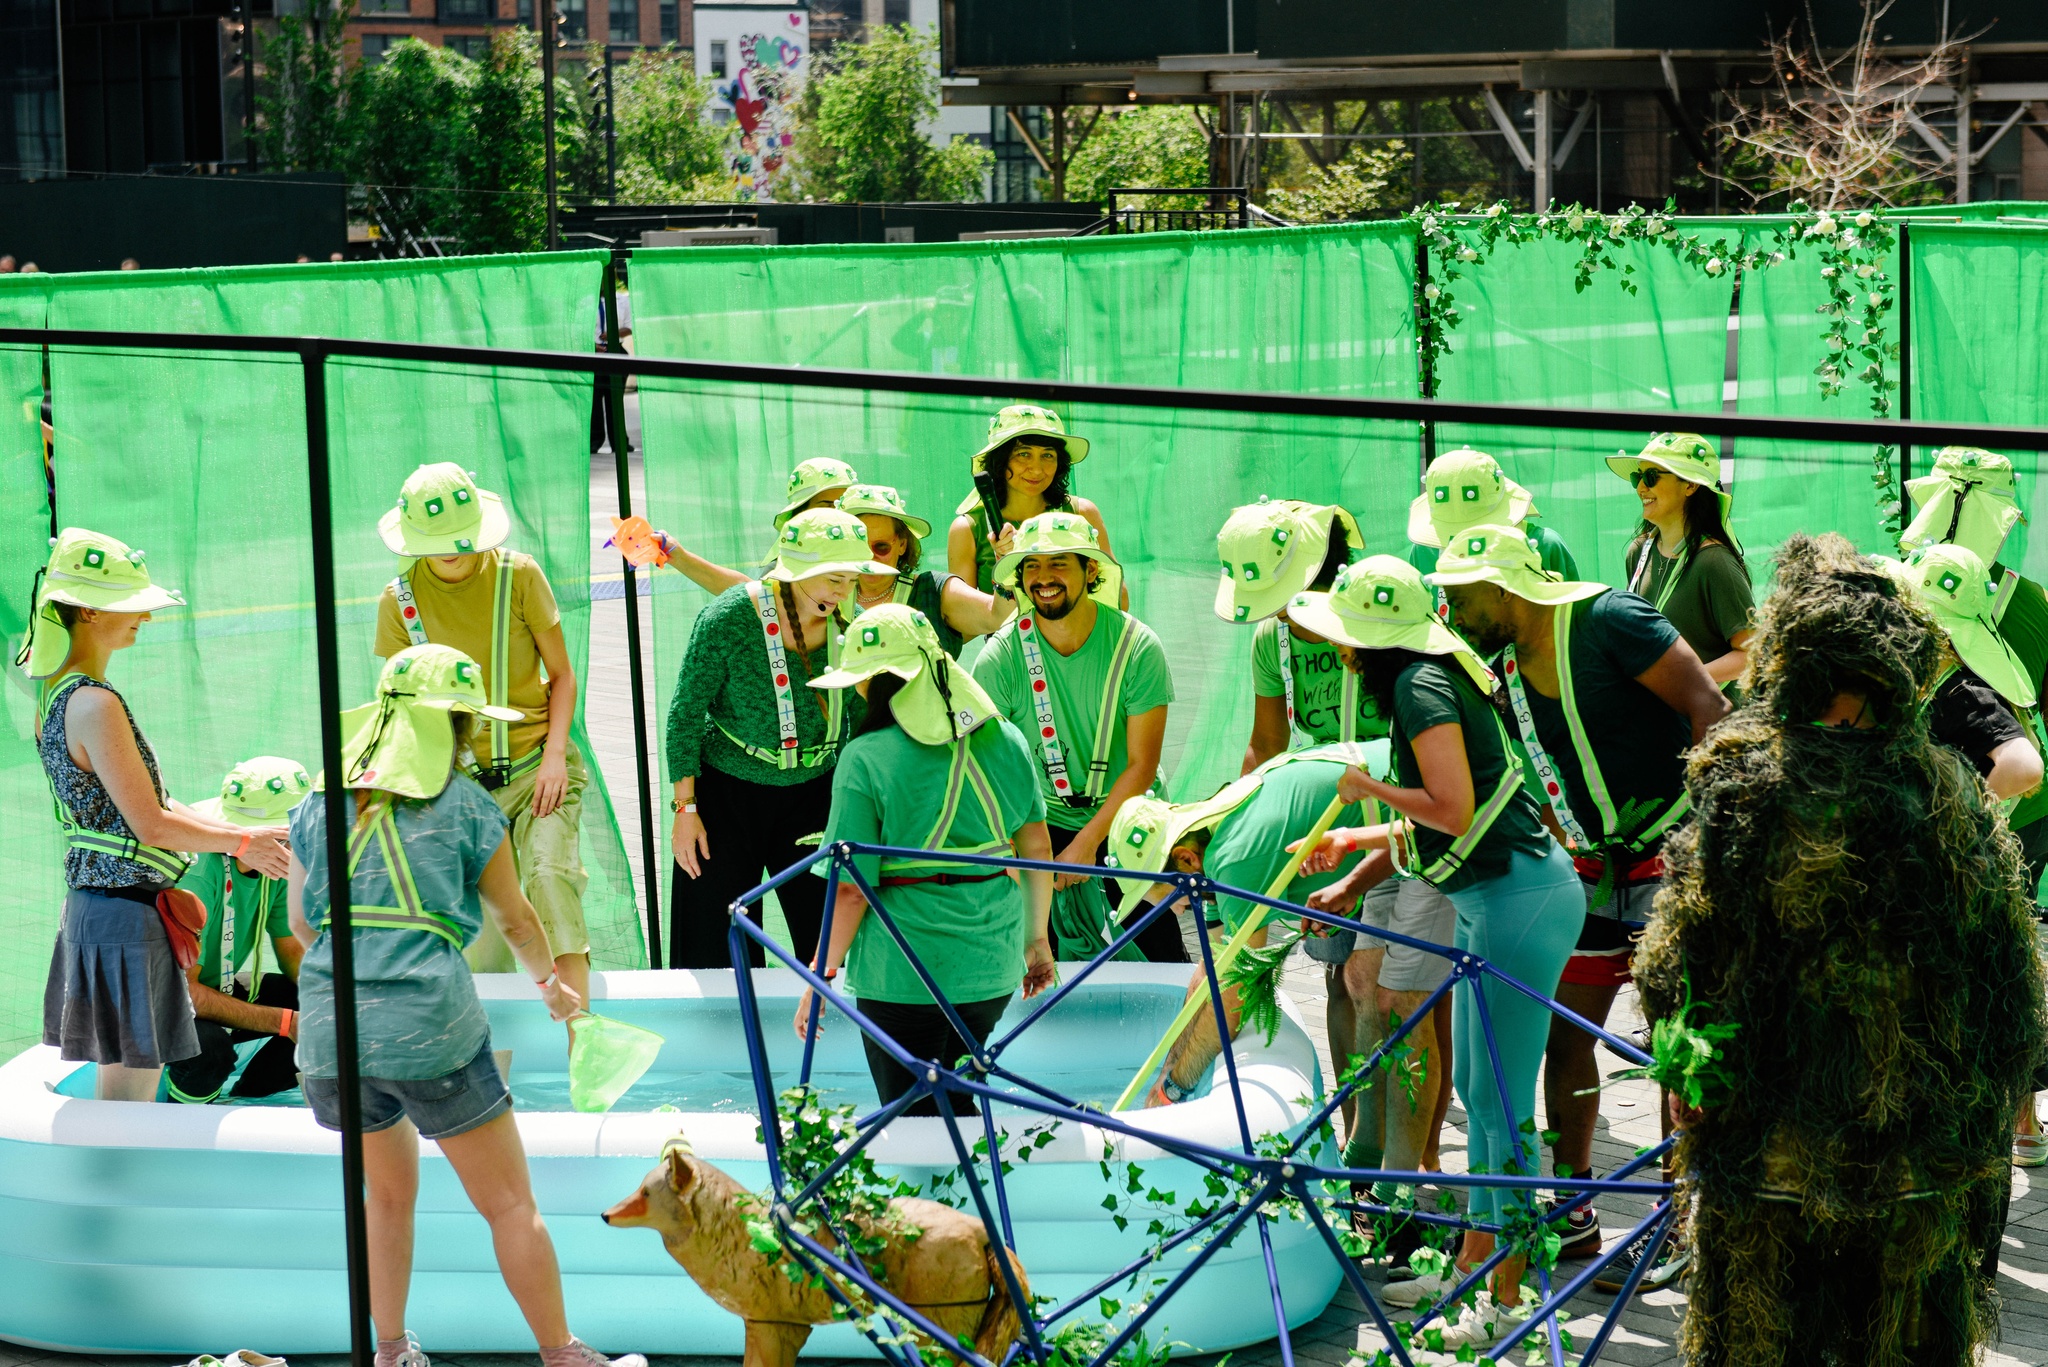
{"points": [[1306, 311], [199, 459]]}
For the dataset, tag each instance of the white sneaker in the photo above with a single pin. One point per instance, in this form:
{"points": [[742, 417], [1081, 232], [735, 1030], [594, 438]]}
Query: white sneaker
{"points": [[1409, 1294], [1485, 1323], [577, 1353], [402, 1353]]}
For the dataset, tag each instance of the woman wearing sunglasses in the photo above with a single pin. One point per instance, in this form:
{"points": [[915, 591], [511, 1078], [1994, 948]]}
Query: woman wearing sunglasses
{"points": [[1686, 560]]}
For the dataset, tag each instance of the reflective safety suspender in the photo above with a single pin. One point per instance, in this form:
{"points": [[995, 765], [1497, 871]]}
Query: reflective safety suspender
{"points": [[965, 772], [502, 768], [170, 865], [790, 755], [1489, 812], [1639, 576], [1347, 728], [410, 913], [1039, 685], [266, 892]]}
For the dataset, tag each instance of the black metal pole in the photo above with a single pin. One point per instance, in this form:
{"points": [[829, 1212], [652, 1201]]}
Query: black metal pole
{"points": [[611, 138], [547, 116], [1905, 369], [622, 448], [348, 1066], [244, 9], [1425, 366]]}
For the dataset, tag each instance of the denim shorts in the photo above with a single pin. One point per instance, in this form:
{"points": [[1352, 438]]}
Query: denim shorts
{"points": [[439, 1107], [1407, 906]]}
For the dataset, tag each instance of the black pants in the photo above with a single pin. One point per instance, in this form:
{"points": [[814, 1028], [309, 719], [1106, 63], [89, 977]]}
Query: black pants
{"points": [[274, 1068], [921, 1030], [1159, 942], [752, 830]]}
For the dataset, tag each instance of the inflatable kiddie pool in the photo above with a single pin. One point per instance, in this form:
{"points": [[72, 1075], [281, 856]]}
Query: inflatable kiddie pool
{"points": [[165, 1229]]}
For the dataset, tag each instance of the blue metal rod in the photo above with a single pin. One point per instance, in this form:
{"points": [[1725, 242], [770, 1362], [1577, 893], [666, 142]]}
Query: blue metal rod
{"points": [[1476, 980], [995, 1142], [864, 1130], [1224, 1040], [803, 1075], [756, 893], [1131, 1269], [901, 1354], [1107, 1356], [1585, 1279], [742, 925], [1331, 1104], [1053, 998], [865, 1281], [757, 1047], [1628, 1286], [1358, 1286], [997, 1235], [924, 976], [1279, 1301]]}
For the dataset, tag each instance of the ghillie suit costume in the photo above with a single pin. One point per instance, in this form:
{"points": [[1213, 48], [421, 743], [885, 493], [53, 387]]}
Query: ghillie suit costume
{"points": [[1851, 904]]}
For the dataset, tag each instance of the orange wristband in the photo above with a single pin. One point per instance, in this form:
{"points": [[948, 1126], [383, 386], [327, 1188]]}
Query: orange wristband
{"points": [[243, 848], [284, 1026]]}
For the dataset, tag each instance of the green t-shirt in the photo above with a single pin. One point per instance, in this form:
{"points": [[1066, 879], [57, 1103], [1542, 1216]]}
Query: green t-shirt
{"points": [[890, 790], [1638, 741], [259, 909], [925, 591], [1430, 694], [417, 1013], [1710, 602], [2024, 625], [1318, 685], [1076, 683], [1249, 846]]}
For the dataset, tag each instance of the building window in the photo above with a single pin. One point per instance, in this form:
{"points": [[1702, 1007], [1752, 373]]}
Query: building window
{"points": [[718, 58], [375, 45], [475, 46], [574, 24], [895, 11], [465, 11], [385, 7], [624, 16], [671, 25]]}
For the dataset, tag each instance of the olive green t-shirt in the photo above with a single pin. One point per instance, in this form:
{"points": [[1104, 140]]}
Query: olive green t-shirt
{"points": [[1427, 695], [1318, 685], [1710, 601]]}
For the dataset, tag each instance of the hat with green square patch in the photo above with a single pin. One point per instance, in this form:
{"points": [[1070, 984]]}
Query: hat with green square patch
{"points": [[1380, 603], [1969, 500], [1461, 489], [1062, 533], [1271, 550], [1953, 583], [939, 702], [820, 475], [1505, 556], [86, 569], [258, 792], [393, 743], [1146, 829], [1688, 455], [441, 512], [880, 500], [822, 541], [1029, 420]]}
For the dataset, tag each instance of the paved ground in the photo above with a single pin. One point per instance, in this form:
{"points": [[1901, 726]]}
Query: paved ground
{"points": [[1343, 1332]]}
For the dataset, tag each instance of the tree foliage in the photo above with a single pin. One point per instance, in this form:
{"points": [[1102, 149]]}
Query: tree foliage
{"points": [[500, 161], [300, 124], [1159, 145], [668, 151], [406, 115], [861, 137], [1369, 181]]}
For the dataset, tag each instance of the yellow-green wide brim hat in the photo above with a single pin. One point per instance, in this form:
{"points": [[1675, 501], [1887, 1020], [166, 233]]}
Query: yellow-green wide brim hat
{"points": [[1686, 454], [1271, 551], [940, 702], [1146, 829], [1062, 533], [822, 541], [258, 792], [1462, 488], [1983, 482], [1029, 420], [441, 512], [880, 500], [1504, 556], [402, 743], [1953, 583], [811, 478], [86, 569], [1380, 603]]}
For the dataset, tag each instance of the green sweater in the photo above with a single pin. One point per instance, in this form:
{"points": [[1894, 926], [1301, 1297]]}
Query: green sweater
{"points": [[724, 687]]}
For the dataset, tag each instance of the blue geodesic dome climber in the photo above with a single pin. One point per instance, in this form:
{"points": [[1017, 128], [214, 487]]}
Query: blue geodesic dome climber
{"points": [[1253, 1182]]}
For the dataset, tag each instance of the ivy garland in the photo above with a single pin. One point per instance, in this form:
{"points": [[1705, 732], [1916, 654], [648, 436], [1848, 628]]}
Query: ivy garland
{"points": [[1851, 249]]}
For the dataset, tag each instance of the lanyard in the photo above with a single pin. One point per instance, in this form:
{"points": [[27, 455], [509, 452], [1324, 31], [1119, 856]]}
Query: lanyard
{"points": [[1640, 578], [1525, 722], [265, 891], [778, 673], [1051, 753], [1347, 726]]}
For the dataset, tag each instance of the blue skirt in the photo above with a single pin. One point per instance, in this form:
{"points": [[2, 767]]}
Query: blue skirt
{"points": [[115, 993]]}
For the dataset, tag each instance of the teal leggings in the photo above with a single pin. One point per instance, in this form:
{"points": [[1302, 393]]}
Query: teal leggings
{"points": [[1523, 923]]}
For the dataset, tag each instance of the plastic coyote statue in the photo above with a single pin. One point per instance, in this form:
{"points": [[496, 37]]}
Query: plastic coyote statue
{"points": [[1843, 967]]}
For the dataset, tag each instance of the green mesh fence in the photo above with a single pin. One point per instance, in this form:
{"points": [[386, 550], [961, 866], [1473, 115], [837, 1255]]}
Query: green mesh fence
{"points": [[200, 460]]}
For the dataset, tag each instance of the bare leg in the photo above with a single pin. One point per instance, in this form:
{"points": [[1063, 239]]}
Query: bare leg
{"points": [[1354, 1032], [1569, 1069], [391, 1170], [491, 1162], [118, 1082], [1506, 1283], [1199, 1046], [1432, 1161], [1412, 1125], [1340, 1019]]}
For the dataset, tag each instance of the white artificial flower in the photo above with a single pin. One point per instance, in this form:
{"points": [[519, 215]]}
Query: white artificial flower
{"points": [[1825, 226], [1864, 219], [1714, 265], [1836, 341], [1430, 291], [1468, 254], [1866, 270], [1827, 272]]}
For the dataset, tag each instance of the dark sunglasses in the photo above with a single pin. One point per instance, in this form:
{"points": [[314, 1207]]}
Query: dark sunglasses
{"points": [[1646, 479]]}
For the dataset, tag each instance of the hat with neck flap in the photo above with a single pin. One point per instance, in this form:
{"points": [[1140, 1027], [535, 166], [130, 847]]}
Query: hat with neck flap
{"points": [[939, 702], [1971, 500], [86, 570], [1952, 583], [1271, 550], [404, 743]]}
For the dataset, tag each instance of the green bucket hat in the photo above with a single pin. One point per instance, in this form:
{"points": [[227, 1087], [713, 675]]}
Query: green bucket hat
{"points": [[879, 500], [1062, 533], [1953, 583], [88, 570], [1506, 556], [1686, 454], [258, 792], [1380, 603], [1146, 829], [810, 479], [1971, 499], [940, 702], [441, 512], [822, 541], [1270, 551], [1460, 489], [1029, 420], [391, 744]]}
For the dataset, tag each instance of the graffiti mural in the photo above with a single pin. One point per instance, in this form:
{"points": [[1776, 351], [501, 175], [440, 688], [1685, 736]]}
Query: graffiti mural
{"points": [[767, 57]]}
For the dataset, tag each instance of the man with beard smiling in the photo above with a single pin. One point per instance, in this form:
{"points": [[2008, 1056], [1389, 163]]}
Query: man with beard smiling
{"points": [[1088, 685], [1607, 697]]}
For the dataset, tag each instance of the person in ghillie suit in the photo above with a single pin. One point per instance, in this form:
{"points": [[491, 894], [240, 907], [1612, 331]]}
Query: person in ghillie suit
{"points": [[1843, 968]]}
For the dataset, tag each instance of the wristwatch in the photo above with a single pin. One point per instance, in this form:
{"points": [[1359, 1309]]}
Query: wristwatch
{"points": [[676, 804]]}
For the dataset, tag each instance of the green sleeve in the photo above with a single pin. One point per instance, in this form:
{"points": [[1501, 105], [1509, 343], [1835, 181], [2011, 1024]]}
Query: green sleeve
{"points": [[1557, 557], [698, 683], [856, 812], [1426, 697], [995, 669], [1148, 683], [1725, 592], [1266, 680], [278, 924]]}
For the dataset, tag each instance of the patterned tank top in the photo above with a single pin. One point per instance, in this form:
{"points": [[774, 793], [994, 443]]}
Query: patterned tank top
{"points": [[91, 805]]}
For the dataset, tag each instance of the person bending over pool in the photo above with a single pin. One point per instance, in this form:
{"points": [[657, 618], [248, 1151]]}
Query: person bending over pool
{"points": [[429, 849], [933, 768], [116, 995]]}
